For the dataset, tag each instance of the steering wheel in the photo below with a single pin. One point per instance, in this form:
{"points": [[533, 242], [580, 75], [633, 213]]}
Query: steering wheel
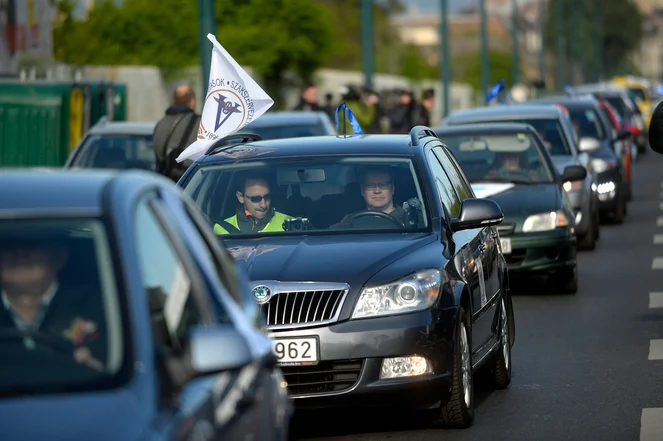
{"points": [[373, 213]]}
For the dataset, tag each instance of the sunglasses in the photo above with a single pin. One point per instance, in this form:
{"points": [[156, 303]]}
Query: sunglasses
{"points": [[257, 199]]}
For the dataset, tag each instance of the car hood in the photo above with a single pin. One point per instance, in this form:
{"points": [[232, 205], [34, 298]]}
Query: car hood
{"points": [[519, 200], [106, 416], [349, 258]]}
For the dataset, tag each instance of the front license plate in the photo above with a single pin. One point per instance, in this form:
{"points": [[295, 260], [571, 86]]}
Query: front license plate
{"points": [[298, 351], [506, 245]]}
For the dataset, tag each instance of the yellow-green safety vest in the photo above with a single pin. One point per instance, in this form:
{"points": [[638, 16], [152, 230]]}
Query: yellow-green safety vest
{"points": [[274, 224]]}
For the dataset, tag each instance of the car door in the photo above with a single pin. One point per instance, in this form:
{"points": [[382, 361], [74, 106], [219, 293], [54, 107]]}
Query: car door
{"points": [[481, 244], [468, 252]]}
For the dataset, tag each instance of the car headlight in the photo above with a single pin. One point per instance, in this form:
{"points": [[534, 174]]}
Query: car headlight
{"points": [[572, 186], [601, 165], [545, 222], [415, 292]]}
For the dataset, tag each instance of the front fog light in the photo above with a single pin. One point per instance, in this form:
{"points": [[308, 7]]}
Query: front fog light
{"points": [[400, 367]]}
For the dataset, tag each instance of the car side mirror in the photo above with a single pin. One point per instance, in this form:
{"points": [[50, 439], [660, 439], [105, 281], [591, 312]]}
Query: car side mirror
{"points": [[574, 173], [588, 144], [656, 129], [477, 213], [632, 130], [217, 348]]}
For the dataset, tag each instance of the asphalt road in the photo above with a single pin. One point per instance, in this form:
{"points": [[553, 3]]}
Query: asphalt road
{"points": [[585, 367]]}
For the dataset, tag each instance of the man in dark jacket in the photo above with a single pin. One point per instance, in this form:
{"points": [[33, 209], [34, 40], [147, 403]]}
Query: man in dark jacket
{"points": [[175, 132], [308, 100], [422, 111]]}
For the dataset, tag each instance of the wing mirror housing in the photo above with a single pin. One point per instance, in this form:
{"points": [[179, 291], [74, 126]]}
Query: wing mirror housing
{"points": [[574, 173], [477, 213], [589, 144], [217, 348]]}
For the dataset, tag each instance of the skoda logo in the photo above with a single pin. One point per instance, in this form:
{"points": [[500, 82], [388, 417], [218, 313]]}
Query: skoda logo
{"points": [[262, 293]]}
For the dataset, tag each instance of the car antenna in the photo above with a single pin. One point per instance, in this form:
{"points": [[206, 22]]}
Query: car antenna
{"points": [[351, 117]]}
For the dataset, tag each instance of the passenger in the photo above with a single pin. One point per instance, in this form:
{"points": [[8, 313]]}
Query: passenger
{"points": [[255, 214]]}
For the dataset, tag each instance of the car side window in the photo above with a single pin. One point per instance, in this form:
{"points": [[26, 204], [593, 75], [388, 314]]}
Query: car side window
{"points": [[173, 308], [448, 196], [466, 187], [459, 183]]}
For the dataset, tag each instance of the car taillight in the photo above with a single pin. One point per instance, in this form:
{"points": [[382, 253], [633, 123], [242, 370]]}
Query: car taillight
{"points": [[563, 109]]}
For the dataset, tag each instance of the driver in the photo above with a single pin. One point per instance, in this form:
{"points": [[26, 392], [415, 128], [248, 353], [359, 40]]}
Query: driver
{"points": [[255, 214], [34, 301], [509, 163], [377, 189]]}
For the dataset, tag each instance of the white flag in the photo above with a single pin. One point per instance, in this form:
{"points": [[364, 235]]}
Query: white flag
{"points": [[232, 101]]}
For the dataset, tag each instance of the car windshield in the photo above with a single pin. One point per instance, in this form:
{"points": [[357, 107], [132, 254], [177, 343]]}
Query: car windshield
{"points": [[551, 132], [637, 94], [510, 157], [117, 152], [61, 320], [312, 195], [586, 123], [286, 131]]}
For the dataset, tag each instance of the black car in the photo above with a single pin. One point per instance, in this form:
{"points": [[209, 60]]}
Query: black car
{"points": [[508, 163], [554, 126], [628, 111], [142, 334], [378, 272], [591, 126]]}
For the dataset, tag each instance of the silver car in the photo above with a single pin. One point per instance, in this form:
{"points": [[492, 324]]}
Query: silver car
{"points": [[555, 128]]}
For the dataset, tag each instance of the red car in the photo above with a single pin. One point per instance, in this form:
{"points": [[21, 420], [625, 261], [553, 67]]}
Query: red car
{"points": [[627, 145]]}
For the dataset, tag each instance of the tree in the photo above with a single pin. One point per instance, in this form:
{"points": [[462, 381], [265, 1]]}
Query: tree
{"points": [[467, 68], [620, 22]]}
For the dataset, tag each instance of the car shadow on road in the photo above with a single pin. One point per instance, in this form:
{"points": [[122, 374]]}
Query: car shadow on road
{"points": [[323, 423]]}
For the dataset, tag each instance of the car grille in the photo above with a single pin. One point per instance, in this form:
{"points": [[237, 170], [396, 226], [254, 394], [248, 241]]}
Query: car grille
{"points": [[325, 377], [294, 305], [506, 228]]}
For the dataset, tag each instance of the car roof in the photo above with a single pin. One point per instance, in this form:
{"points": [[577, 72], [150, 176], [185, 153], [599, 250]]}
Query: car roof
{"points": [[493, 127], [58, 191], [576, 102], [510, 110], [287, 117], [123, 128], [315, 145]]}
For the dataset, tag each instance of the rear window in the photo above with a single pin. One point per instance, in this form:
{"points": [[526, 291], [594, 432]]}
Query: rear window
{"points": [[124, 151], [286, 131], [552, 134]]}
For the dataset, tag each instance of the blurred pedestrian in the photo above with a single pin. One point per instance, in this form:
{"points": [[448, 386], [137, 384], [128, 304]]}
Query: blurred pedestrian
{"points": [[422, 111], [364, 104], [308, 99], [400, 117], [175, 132]]}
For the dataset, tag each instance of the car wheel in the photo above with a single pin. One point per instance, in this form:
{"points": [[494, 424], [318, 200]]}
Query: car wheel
{"points": [[566, 280], [459, 411], [620, 212], [588, 240], [496, 373]]}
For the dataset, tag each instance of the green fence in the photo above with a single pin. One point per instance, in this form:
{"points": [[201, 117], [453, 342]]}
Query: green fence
{"points": [[41, 122]]}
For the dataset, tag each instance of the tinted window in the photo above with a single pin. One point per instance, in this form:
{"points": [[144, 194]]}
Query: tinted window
{"points": [[586, 123], [448, 196], [459, 182], [636, 93], [116, 152], [619, 105], [512, 157], [61, 327], [286, 131], [552, 134], [312, 194], [166, 281]]}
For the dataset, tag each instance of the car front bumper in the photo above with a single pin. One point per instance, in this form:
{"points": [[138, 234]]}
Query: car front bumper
{"points": [[541, 252], [351, 355]]}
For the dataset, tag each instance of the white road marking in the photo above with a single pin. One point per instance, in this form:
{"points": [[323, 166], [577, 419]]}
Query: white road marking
{"points": [[655, 300], [659, 221], [660, 205], [657, 263], [656, 349], [658, 239], [651, 424]]}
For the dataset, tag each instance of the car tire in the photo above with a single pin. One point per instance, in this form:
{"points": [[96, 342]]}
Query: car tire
{"points": [[496, 373], [566, 280], [620, 212], [459, 410], [587, 241]]}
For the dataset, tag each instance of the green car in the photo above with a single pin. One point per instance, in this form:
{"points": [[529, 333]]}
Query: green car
{"points": [[508, 163]]}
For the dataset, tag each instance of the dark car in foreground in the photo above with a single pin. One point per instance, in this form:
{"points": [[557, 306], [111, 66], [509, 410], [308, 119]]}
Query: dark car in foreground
{"points": [[554, 126], [608, 160], [115, 145], [508, 164], [141, 336], [378, 273], [291, 124]]}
